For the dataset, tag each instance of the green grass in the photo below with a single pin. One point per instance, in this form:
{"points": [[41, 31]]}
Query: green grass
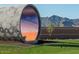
{"points": [[63, 47]]}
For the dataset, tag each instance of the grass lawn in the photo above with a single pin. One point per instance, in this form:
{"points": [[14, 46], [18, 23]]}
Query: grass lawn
{"points": [[61, 47]]}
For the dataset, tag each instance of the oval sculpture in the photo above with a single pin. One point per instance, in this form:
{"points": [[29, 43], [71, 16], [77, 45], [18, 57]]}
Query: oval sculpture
{"points": [[30, 24]]}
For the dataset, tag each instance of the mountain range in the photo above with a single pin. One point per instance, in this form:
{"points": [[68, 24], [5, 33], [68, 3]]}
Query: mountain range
{"points": [[58, 21]]}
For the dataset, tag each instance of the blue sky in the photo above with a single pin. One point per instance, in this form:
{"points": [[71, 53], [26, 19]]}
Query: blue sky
{"points": [[64, 10]]}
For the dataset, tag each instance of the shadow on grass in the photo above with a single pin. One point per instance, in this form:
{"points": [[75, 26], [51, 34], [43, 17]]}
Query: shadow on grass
{"points": [[57, 43]]}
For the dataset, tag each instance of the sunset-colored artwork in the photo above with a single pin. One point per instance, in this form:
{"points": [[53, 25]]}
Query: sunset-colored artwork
{"points": [[29, 24]]}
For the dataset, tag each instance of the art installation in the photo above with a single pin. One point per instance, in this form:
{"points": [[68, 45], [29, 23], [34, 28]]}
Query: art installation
{"points": [[30, 23], [19, 23]]}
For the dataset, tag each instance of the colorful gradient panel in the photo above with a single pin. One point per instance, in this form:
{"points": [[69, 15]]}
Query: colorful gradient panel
{"points": [[29, 24]]}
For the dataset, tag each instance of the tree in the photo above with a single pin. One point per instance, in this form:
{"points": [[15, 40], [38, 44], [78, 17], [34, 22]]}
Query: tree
{"points": [[50, 28]]}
